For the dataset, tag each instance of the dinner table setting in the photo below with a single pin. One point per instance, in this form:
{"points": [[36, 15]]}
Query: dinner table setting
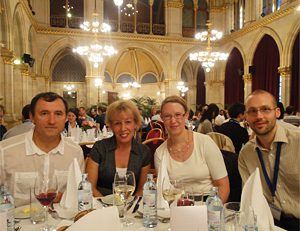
{"points": [[113, 213]]}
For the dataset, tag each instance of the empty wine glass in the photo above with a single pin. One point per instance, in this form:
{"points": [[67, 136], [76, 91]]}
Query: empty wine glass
{"points": [[124, 186], [45, 191], [235, 219]]}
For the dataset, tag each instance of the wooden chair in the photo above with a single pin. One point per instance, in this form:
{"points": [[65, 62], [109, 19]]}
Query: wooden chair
{"points": [[153, 144], [86, 148], [154, 133]]}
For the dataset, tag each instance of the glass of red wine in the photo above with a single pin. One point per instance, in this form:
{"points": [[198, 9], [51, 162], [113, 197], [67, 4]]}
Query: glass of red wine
{"points": [[45, 190]]}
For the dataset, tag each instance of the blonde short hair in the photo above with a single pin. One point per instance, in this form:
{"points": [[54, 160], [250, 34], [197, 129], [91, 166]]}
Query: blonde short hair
{"points": [[123, 105], [174, 99]]}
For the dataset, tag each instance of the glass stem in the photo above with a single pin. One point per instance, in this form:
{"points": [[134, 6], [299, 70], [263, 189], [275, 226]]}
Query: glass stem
{"points": [[125, 211], [46, 216]]}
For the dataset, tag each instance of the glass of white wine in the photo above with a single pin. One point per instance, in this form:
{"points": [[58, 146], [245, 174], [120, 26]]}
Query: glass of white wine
{"points": [[124, 186], [172, 190]]}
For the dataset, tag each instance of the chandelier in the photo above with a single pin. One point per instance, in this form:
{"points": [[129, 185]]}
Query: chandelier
{"points": [[131, 84], [182, 88], [68, 9], [96, 51], [207, 57], [128, 9], [69, 87]]}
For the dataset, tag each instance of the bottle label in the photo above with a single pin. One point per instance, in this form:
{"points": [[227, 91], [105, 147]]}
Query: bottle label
{"points": [[85, 199], [213, 217], [149, 197]]}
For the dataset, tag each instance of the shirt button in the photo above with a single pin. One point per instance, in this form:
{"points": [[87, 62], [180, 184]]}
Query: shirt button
{"points": [[279, 185], [271, 154], [283, 202]]}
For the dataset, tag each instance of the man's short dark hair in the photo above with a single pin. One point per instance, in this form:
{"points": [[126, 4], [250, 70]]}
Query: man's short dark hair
{"points": [[102, 108], [83, 108], [48, 97], [235, 109], [25, 112], [280, 106], [289, 110]]}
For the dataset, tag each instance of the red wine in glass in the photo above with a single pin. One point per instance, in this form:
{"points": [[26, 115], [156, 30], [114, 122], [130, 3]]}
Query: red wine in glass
{"points": [[46, 198], [182, 202]]}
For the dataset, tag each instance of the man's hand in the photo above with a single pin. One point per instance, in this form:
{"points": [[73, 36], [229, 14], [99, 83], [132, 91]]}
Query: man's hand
{"points": [[58, 197]]}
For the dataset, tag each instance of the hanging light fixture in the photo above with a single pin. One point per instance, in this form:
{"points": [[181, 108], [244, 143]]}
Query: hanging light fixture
{"points": [[69, 10], [207, 57], [131, 84], [182, 88], [96, 51], [128, 9], [69, 87]]}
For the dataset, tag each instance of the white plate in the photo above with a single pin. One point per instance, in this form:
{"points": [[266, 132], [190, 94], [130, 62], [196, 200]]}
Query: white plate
{"points": [[109, 199], [19, 213]]}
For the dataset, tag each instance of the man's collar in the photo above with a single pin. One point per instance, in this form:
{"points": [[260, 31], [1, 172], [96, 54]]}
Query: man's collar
{"points": [[280, 136], [32, 149], [113, 145], [27, 120]]}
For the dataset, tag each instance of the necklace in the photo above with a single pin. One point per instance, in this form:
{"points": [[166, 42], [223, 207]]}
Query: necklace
{"points": [[180, 152]]}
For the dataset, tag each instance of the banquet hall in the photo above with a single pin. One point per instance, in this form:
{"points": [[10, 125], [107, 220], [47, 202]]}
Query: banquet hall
{"points": [[151, 43]]}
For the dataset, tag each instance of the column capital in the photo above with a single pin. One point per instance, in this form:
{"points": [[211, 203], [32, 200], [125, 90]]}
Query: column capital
{"points": [[247, 78], [174, 4], [23, 67], [8, 56], [151, 2], [285, 71]]}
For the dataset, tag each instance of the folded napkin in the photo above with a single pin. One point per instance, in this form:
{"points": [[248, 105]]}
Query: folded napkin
{"points": [[70, 196], [162, 172], [252, 194], [75, 132], [83, 137], [3, 224], [100, 219], [104, 132], [91, 134]]}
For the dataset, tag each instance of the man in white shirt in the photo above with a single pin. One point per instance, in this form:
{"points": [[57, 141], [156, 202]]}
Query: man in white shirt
{"points": [[42, 150]]}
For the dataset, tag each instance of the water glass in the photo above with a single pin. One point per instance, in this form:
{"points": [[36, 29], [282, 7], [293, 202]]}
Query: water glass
{"points": [[37, 212]]}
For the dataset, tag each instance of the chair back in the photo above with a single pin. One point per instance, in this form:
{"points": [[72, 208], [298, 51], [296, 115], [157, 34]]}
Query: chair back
{"points": [[154, 133], [86, 148], [153, 144], [222, 141]]}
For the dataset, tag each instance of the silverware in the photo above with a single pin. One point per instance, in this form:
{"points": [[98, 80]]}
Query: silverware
{"points": [[131, 202], [103, 204], [136, 207]]}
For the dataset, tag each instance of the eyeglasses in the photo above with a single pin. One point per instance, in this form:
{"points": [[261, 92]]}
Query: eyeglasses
{"points": [[264, 111], [1, 117], [176, 116]]}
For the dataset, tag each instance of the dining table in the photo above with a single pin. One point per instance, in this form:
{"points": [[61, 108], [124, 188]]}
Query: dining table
{"points": [[58, 222]]}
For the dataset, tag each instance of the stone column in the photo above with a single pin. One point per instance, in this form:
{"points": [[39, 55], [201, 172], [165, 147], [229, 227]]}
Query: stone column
{"points": [[88, 90], [215, 92], [42, 12], [248, 85], [31, 87], [195, 15], [47, 83], [171, 87], [135, 4], [249, 15], [174, 17], [191, 96], [151, 21], [285, 72], [8, 58]]}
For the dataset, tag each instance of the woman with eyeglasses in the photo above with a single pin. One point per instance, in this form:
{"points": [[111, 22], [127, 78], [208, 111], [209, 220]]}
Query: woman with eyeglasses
{"points": [[188, 155]]}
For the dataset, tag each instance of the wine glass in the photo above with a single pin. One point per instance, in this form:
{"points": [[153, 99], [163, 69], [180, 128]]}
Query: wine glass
{"points": [[124, 186], [45, 191], [188, 198], [172, 190], [235, 219]]}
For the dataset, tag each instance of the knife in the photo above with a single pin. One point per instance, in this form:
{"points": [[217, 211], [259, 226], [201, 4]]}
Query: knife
{"points": [[136, 207], [131, 202]]}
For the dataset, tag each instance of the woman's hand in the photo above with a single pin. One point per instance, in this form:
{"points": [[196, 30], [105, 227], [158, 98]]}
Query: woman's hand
{"points": [[224, 188], [92, 169]]}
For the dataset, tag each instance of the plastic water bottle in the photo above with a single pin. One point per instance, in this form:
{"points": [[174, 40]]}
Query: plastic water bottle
{"points": [[251, 228], [214, 209], [7, 203], [150, 203], [85, 194]]}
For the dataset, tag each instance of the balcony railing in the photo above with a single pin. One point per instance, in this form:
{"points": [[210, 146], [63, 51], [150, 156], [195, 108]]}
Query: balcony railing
{"points": [[60, 21]]}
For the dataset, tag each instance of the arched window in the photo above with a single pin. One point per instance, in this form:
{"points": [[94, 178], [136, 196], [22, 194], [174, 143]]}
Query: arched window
{"points": [[149, 78], [125, 78], [107, 78]]}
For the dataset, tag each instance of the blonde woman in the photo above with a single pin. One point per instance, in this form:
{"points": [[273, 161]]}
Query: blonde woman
{"points": [[120, 152]]}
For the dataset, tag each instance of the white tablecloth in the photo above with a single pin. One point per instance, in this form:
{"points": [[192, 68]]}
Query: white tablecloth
{"points": [[28, 226]]}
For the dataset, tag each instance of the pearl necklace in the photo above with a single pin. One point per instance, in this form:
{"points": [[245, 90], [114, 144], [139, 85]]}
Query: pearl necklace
{"points": [[181, 151]]}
